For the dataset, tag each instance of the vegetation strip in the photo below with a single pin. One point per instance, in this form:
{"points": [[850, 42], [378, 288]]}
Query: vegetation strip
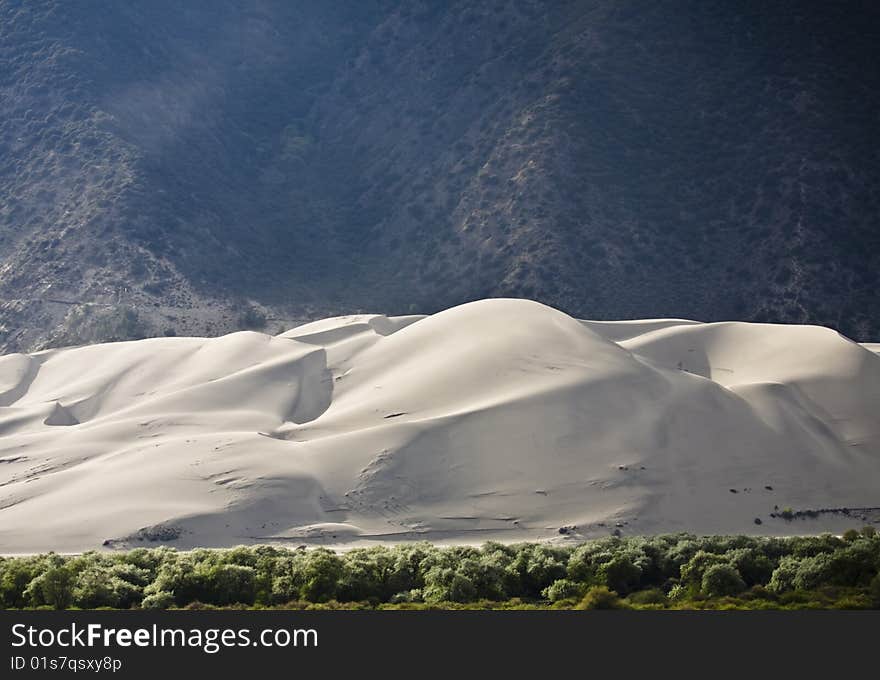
{"points": [[680, 571]]}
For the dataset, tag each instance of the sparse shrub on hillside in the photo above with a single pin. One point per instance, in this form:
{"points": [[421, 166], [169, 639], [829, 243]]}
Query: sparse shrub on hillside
{"points": [[88, 323], [251, 318]]}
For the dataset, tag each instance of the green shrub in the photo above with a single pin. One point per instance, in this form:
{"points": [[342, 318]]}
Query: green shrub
{"points": [[178, 578], [54, 587], [321, 573], [600, 597], [231, 584], [854, 565], [620, 574], [692, 572], [754, 566], [535, 566], [104, 587], [561, 589], [874, 591], [586, 559], [443, 584], [782, 579], [758, 592], [209, 581], [677, 592], [363, 576], [810, 546], [15, 575], [722, 579], [159, 600], [414, 595], [649, 596]]}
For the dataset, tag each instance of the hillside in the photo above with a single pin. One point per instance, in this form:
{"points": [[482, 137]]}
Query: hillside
{"points": [[498, 419], [195, 168]]}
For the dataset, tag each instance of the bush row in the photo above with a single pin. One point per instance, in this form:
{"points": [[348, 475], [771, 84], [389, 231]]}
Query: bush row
{"points": [[655, 570]]}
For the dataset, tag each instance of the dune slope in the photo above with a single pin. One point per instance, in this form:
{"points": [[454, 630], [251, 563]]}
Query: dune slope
{"points": [[501, 419]]}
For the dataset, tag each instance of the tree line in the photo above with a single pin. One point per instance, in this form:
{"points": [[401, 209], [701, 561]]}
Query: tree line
{"points": [[666, 571]]}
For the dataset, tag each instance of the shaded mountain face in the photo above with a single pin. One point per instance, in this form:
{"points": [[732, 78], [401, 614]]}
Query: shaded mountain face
{"points": [[195, 167]]}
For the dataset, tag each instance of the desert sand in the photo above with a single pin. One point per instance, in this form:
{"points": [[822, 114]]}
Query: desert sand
{"points": [[500, 419]]}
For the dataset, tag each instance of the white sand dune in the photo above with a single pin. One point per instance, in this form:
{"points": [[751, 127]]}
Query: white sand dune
{"points": [[499, 419]]}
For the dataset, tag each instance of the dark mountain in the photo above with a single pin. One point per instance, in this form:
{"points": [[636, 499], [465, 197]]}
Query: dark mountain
{"points": [[197, 166]]}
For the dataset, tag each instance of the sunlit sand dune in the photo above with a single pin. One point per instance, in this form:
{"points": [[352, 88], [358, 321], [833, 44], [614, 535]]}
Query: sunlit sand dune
{"points": [[500, 419]]}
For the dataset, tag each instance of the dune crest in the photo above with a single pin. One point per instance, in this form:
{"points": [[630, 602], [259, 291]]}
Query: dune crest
{"points": [[501, 419]]}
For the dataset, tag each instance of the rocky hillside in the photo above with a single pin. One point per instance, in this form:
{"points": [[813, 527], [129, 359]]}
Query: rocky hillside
{"points": [[195, 167]]}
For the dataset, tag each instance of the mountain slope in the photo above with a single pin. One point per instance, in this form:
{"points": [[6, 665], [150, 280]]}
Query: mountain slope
{"points": [[197, 167]]}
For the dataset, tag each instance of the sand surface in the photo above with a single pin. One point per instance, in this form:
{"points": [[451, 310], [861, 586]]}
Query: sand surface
{"points": [[499, 419]]}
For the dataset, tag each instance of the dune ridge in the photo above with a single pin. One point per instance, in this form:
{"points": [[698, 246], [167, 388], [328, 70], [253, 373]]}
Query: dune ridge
{"points": [[499, 419]]}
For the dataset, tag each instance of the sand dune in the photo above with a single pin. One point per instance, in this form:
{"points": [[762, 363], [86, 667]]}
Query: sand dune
{"points": [[499, 419]]}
